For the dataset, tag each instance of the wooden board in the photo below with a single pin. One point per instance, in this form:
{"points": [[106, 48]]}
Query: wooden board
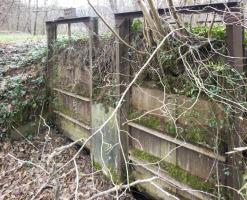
{"points": [[169, 185], [198, 161]]}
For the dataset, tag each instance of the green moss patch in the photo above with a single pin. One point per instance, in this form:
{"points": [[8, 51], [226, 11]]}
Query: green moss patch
{"points": [[112, 170]]}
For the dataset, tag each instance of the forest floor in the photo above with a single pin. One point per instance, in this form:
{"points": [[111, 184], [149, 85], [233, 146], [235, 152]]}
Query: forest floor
{"points": [[24, 171]]}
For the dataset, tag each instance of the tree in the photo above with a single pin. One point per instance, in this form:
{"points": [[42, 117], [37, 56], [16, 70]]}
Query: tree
{"points": [[114, 5], [36, 17]]}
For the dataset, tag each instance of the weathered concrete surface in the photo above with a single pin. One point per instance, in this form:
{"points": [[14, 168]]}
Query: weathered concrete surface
{"points": [[198, 111], [105, 143], [72, 130], [170, 106], [161, 105]]}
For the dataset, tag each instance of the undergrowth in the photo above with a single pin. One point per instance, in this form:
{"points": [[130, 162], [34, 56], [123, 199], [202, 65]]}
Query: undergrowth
{"points": [[23, 94]]}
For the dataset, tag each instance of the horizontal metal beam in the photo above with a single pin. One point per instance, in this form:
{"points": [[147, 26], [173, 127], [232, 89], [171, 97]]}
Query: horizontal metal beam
{"points": [[207, 8], [85, 126], [72, 95], [135, 14], [181, 143], [201, 8], [62, 20]]}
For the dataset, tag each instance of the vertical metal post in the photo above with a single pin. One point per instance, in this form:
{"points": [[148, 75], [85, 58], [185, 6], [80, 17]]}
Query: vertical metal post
{"points": [[92, 26], [69, 31], [51, 29], [122, 77], [235, 46]]}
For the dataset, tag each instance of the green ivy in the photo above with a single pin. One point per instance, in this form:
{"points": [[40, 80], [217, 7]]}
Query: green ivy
{"points": [[137, 25]]}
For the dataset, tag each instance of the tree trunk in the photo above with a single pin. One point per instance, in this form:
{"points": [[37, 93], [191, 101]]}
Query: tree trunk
{"points": [[28, 20], [36, 17], [18, 16], [45, 16], [113, 4]]}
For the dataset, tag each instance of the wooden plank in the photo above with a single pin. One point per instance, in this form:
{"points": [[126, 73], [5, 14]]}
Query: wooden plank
{"points": [[182, 189], [73, 107], [69, 31], [200, 165], [161, 135], [153, 145], [73, 120], [73, 131], [189, 160], [72, 94]]}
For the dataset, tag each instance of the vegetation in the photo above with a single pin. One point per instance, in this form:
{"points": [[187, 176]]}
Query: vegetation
{"points": [[23, 95], [187, 60], [12, 38]]}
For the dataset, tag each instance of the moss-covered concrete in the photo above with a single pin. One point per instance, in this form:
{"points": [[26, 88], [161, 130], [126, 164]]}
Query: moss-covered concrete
{"points": [[105, 143]]}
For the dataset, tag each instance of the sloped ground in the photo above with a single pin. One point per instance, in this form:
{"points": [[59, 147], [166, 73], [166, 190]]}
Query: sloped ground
{"points": [[22, 91], [23, 165]]}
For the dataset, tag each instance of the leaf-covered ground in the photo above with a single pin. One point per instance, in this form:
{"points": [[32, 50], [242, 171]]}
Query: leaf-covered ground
{"points": [[23, 167]]}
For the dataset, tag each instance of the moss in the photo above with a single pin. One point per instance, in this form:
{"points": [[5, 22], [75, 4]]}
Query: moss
{"points": [[146, 120], [96, 165], [176, 172], [191, 134], [151, 122], [115, 176], [170, 128], [112, 170], [195, 134]]}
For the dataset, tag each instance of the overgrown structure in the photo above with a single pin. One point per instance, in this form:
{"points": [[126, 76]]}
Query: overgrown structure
{"points": [[133, 126]]}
